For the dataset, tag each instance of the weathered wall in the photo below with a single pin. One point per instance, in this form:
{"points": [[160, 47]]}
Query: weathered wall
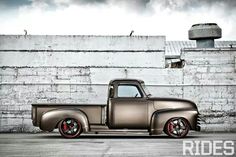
{"points": [[210, 81], [80, 42], [73, 69], [23, 86], [77, 69]]}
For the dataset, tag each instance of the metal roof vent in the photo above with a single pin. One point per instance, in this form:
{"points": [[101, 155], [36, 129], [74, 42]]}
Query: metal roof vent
{"points": [[204, 34]]}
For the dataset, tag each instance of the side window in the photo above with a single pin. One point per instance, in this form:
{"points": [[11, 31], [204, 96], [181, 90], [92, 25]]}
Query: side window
{"points": [[128, 91]]}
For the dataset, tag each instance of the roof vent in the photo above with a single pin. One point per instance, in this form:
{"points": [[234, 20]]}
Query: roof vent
{"points": [[204, 34]]}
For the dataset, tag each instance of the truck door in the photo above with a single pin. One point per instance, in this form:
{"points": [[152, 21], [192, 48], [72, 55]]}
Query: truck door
{"points": [[128, 109]]}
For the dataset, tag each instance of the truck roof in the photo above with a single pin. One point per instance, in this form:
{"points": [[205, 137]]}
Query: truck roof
{"points": [[125, 80]]}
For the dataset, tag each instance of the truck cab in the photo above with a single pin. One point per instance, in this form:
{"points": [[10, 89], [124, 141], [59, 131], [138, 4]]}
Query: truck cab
{"points": [[127, 100]]}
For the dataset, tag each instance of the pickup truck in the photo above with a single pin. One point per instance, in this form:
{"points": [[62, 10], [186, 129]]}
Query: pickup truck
{"points": [[129, 108]]}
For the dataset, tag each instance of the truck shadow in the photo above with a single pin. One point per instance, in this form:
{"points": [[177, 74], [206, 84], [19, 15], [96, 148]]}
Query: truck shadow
{"points": [[118, 137], [129, 137]]}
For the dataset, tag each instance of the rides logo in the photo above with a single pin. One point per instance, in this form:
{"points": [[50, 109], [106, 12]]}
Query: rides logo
{"points": [[215, 147]]}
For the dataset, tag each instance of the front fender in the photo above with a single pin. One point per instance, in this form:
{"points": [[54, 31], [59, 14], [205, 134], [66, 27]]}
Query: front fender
{"points": [[159, 118], [50, 119]]}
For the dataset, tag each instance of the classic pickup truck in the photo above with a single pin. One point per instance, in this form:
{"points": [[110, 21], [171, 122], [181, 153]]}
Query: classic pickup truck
{"points": [[129, 108]]}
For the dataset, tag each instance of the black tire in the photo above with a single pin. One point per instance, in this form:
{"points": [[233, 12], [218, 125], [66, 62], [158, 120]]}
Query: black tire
{"points": [[70, 128], [177, 127]]}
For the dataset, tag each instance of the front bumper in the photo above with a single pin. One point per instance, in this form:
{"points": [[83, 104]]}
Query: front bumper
{"points": [[198, 127]]}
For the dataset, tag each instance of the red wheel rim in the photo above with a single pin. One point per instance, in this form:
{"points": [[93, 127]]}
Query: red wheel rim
{"points": [[177, 127], [70, 128]]}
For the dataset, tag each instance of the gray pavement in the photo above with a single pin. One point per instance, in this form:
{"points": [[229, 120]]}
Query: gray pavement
{"points": [[52, 144]]}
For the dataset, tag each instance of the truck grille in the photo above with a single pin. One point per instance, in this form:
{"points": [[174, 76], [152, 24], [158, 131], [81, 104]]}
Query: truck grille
{"points": [[198, 127]]}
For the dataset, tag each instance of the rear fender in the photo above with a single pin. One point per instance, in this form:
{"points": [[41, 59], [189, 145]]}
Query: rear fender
{"points": [[50, 119], [159, 118]]}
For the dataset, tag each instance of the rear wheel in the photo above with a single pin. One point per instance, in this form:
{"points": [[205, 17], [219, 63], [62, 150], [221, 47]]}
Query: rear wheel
{"points": [[177, 127], [70, 128]]}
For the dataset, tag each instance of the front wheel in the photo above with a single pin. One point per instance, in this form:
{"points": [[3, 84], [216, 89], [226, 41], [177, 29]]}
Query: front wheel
{"points": [[70, 128], [177, 127]]}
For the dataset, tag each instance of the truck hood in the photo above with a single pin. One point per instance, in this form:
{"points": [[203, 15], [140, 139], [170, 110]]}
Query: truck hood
{"points": [[170, 99], [172, 103]]}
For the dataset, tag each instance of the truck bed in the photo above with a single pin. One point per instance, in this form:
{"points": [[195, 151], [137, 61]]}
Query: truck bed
{"points": [[95, 112]]}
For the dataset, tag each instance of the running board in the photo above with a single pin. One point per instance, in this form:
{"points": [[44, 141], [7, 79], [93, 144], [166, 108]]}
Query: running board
{"points": [[104, 129]]}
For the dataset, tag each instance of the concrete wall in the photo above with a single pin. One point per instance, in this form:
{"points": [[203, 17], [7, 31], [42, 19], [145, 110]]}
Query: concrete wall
{"points": [[78, 42], [23, 86], [71, 69], [210, 81], [36, 69]]}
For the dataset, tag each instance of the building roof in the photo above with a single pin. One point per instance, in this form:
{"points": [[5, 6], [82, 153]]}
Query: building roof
{"points": [[173, 48]]}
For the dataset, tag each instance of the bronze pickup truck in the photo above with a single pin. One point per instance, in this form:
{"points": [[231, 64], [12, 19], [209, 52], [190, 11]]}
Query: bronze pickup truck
{"points": [[129, 108]]}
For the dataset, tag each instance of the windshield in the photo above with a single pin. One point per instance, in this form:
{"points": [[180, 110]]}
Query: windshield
{"points": [[146, 90]]}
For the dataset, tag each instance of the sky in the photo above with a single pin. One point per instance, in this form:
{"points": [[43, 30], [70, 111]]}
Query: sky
{"points": [[172, 18]]}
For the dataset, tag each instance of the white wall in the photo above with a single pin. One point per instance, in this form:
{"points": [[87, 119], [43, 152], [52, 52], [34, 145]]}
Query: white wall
{"points": [[212, 74], [82, 59], [77, 69], [78, 42], [71, 69]]}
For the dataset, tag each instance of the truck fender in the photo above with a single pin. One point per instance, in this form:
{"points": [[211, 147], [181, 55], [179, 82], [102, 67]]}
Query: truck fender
{"points": [[159, 118], [50, 119]]}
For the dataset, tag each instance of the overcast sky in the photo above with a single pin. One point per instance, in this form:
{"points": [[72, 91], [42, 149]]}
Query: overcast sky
{"points": [[172, 18]]}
